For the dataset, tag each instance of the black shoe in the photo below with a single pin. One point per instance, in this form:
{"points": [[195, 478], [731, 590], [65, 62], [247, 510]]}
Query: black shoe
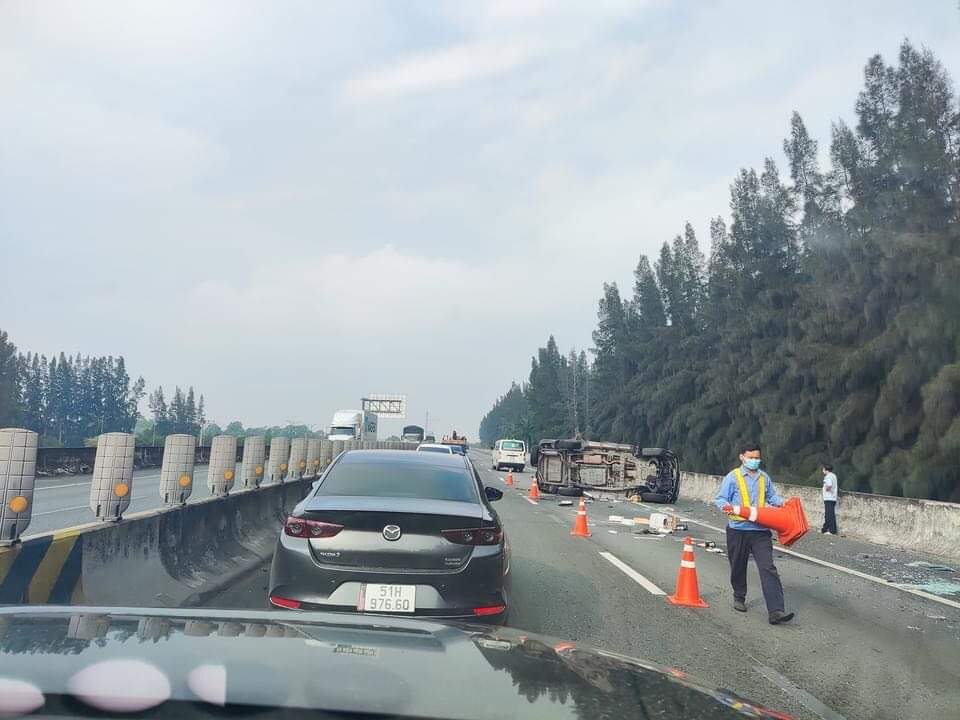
{"points": [[778, 617], [822, 530], [739, 605]]}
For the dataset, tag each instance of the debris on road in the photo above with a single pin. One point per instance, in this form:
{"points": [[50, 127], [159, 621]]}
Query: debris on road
{"points": [[566, 503], [930, 566], [936, 587]]}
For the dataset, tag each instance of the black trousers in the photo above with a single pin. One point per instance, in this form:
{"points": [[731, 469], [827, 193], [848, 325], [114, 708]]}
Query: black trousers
{"points": [[740, 545], [830, 516]]}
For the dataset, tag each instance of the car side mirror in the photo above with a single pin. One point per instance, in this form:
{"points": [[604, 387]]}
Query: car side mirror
{"points": [[492, 494]]}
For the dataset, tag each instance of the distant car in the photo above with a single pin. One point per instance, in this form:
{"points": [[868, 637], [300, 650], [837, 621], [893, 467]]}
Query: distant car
{"points": [[510, 454], [435, 448], [394, 532]]}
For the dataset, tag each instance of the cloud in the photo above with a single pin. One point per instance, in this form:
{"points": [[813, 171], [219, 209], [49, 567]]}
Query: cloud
{"points": [[444, 69], [386, 293]]}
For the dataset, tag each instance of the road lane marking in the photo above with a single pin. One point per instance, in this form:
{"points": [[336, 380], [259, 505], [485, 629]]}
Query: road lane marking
{"points": [[840, 568], [81, 507], [799, 694], [87, 482], [632, 574]]}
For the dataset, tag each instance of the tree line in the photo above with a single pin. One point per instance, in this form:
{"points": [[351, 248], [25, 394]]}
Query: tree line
{"points": [[66, 399], [184, 414], [69, 400], [824, 322]]}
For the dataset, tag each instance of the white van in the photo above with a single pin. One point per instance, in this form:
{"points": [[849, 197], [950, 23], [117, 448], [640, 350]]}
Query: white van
{"points": [[510, 454]]}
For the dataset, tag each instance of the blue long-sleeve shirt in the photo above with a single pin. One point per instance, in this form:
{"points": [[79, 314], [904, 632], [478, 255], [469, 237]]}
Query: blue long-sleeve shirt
{"points": [[730, 493]]}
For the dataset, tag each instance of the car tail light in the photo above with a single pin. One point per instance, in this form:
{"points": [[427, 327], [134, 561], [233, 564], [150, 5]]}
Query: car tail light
{"points": [[489, 610], [285, 602], [475, 536], [310, 529]]}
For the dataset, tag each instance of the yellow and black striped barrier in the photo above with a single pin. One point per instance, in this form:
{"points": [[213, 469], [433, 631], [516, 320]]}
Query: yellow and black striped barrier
{"points": [[45, 569]]}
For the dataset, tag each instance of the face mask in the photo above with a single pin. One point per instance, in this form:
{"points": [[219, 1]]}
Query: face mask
{"points": [[751, 463]]}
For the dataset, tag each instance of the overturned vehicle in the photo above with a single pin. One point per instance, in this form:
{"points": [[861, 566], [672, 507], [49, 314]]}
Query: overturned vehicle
{"points": [[568, 467]]}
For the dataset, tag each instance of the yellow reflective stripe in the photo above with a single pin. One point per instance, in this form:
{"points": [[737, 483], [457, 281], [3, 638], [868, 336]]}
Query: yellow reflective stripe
{"points": [[745, 493], [47, 572], [742, 484]]}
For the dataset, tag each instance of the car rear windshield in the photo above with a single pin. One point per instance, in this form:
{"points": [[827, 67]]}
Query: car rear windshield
{"points": [[445, 451], [408, 480], [511, 445]]}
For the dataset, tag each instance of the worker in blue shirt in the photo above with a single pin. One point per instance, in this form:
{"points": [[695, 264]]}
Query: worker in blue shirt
{"points": [[749, 486]]}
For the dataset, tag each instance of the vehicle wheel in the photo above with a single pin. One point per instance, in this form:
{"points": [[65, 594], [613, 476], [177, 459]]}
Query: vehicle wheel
{"points": [[654, 497], [570, 491], [569, 444]]}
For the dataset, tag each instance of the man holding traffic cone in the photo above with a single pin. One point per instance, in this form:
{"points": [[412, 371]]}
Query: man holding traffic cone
{"points": [[749, 486]]}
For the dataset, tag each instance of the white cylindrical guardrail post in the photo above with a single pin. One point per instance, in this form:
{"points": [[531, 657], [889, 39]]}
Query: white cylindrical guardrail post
{"points": [[298, 458], [88, 627], [112, 484], [326, 453], [313, 459], [18, 468], [279, 459], [153, 628], [223, 465], [176, 471], [254, 459]]}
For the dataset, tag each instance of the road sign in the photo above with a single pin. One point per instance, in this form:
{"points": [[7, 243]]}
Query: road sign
{"points": [[387, 407]]}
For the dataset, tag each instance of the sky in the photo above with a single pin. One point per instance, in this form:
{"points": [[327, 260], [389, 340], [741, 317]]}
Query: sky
{"points": [[290, 205]]}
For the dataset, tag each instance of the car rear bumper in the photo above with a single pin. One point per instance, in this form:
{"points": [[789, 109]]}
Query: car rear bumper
{"points": [[296, 576]]}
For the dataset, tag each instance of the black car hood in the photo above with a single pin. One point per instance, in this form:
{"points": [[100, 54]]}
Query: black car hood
{"points": [[343, 663]]}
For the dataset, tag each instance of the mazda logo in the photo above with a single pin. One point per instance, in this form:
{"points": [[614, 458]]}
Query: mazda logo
{"points": [[391, 532]]}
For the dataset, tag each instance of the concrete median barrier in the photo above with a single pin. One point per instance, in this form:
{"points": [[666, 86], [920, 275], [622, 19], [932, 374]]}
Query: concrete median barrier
{"points": [[924, 525], [169, 557]]}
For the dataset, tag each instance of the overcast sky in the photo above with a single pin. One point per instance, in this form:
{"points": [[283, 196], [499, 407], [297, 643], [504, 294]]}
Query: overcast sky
{"points": [[289, 205]]}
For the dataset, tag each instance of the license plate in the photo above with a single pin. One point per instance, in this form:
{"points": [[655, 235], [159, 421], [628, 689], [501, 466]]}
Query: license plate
{"points": [[387, 598]]}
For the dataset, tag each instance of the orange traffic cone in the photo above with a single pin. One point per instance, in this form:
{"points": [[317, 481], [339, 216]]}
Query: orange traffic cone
{"points": [[688, 589], [510, 477], [534, 493], [790, 521], [580, 525]]}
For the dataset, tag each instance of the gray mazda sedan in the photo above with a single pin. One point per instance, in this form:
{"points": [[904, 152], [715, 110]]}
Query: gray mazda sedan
{"points": [[395, 532]]}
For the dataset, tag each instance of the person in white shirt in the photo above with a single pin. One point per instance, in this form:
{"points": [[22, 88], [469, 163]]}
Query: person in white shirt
{"points": [[830, 493]]}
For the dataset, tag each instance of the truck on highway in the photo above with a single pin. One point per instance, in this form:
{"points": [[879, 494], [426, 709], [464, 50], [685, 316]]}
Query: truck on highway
{"points": [[353, 425], [457, 442], [569, 467], [412, 433]]}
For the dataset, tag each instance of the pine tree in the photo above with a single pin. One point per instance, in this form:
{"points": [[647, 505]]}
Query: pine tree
{"points": [[190, 412], [9, 382], [177, 412]]}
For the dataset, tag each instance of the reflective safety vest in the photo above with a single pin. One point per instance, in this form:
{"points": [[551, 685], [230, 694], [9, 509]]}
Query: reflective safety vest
{"points": [[745, 493]]}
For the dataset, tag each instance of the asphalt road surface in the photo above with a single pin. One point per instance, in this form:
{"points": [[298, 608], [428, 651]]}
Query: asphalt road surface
{"points": [[858, 648], [64, 500]]}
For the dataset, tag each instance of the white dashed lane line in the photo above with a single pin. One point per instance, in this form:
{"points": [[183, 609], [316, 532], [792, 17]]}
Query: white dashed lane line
{"points": [[632, 574]]}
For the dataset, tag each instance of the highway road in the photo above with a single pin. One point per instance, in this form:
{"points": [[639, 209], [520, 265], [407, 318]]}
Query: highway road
{"points": [[858, 648], [64, 501]]}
